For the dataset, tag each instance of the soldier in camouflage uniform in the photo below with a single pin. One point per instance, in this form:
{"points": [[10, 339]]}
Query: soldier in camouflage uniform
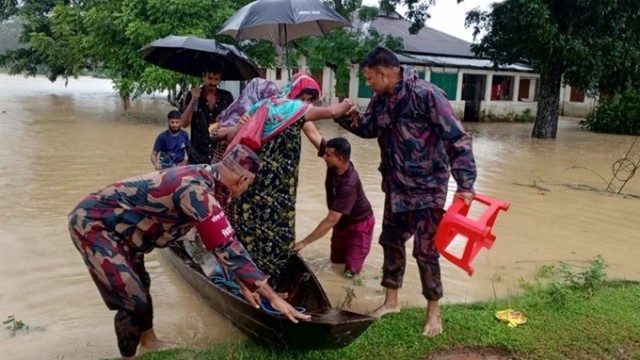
{"points": [[114, 227], [421, 144]]}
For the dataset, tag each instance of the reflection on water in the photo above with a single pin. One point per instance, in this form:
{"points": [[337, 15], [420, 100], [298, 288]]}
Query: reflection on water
{"points": [[58, 144]]}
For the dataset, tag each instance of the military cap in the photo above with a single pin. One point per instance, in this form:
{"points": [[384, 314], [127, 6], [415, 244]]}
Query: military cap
{"points": [[242, 160]]}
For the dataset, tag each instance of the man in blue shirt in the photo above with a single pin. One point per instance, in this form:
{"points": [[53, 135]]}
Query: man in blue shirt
{"points": [[170, 148]]}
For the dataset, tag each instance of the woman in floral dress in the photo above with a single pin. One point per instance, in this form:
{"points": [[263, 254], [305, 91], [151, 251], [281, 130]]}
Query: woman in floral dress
{"points": [[265, 213]]}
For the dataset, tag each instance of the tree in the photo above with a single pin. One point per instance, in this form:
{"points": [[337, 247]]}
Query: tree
{"points": [[343, 47], [65, 37], [117, 29], [38, 21], [575, 40]]}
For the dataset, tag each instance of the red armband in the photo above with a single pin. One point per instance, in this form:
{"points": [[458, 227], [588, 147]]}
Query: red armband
{"points": [[215, 230]]}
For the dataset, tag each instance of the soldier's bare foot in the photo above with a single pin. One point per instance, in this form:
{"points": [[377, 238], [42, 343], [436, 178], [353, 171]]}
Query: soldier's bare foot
{"points": [[433, 327], [149, 341], [384, 310], [156, 344]]}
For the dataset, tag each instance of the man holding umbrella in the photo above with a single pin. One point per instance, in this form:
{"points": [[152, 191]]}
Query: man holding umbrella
{"points": [[201, 109]]}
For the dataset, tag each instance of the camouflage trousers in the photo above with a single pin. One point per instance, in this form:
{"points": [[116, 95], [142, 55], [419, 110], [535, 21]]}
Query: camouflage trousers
{"points": [[397, 228], [121, 278]]}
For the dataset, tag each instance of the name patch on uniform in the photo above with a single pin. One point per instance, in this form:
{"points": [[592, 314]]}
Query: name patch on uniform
{"points": [[215, 230]]}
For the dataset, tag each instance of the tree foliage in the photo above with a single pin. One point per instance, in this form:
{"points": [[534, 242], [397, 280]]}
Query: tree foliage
{"points": [[573, 40], [343, 47], [619, 115], [65, 37]]}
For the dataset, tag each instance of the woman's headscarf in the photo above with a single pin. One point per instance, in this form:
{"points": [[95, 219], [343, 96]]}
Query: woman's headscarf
{"points": [[270, 116], [301, 81], [256, 90]]}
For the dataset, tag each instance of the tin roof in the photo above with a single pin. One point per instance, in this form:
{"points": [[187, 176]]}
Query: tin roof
{"points": [[446, 61], [430, 47], [426, 41]]}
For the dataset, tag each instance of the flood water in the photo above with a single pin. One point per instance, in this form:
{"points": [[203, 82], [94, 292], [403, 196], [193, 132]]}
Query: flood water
{"points": [[58, 144]]}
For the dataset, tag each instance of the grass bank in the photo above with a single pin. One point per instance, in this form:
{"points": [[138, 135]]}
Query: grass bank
{"points": [[571, 315]]}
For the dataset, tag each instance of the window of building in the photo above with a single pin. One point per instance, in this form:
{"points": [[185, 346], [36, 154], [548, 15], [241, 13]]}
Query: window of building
{"points": [[523, 89], [278, 73], [528, 89], [502, 88], [263, 73], [576, 95]]}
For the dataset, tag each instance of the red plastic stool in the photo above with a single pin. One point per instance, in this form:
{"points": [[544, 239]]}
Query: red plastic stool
{"points": [[478, 232]]}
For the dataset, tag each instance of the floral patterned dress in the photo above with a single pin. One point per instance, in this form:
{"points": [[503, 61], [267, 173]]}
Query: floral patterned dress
{"points": [[265, 214]]}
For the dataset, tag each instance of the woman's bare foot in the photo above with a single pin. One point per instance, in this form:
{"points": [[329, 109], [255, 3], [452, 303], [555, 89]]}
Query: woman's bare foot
{"points": [[433, 327], [384, 310]]}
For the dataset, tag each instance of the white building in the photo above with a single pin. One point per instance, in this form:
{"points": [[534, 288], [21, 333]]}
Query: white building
{"points": [[473, 85]]}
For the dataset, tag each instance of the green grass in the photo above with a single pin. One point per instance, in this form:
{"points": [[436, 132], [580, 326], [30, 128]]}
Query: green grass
{"points": [[603, 323]]}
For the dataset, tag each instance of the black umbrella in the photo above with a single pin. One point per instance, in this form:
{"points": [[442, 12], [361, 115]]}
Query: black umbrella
{"points": [[192, 55], [280, 21]]}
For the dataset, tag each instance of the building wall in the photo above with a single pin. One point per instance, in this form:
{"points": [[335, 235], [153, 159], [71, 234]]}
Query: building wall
{"points": [[327, 82], [574, 107], [513, 104]]}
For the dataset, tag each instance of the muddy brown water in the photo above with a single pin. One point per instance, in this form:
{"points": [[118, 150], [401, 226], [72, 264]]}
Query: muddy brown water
{"points": [[60, 143]]}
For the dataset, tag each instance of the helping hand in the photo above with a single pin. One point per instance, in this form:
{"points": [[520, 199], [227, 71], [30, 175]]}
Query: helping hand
{"points": [[286, 309], [353, 113], [353, 108], [252, 298], [299, 246], [244, 119]]}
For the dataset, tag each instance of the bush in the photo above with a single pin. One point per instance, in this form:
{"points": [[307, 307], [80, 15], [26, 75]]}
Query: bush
{"points": [[525, 116], [619, 115], [511, 116]]}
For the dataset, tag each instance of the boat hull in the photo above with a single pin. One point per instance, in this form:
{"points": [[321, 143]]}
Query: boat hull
{"points": [[329, 328]]}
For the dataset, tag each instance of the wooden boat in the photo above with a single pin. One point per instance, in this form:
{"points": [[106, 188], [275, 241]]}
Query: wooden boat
{"points": [[329, 327]]}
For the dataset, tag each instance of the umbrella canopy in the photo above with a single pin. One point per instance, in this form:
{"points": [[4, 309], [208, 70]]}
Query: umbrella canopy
{"points": [[280, 21], [192, 55]]}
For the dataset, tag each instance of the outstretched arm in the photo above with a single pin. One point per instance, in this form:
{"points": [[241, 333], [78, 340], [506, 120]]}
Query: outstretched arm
{"points": [[363, 125], [321, 230], [312, 133], [217, 235], [328, 112]]}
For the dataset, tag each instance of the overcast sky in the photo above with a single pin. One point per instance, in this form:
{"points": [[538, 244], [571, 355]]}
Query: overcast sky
{"points": [[448, 16]]}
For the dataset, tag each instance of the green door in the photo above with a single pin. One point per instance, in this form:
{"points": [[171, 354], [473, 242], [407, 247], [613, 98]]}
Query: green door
{"points": [[363, 90], [447, 82]]}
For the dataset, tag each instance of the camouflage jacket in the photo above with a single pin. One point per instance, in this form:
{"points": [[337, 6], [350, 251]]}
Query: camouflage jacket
{"points": [[421, 143], [152, 210]]}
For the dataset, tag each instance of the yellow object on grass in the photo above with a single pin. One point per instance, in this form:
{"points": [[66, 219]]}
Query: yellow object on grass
{"points": [[512, 317]]}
